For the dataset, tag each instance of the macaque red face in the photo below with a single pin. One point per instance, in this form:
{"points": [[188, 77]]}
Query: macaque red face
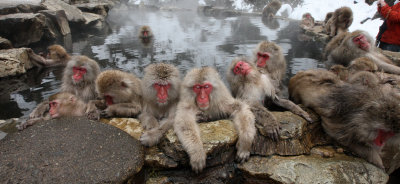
{"points": [[308, 16], [54, 108], [203, 95], [109, 99], [362, 42], [146, 33], [382, 137], [262, 58], [79, 72], [162, 92], [242, 68]]}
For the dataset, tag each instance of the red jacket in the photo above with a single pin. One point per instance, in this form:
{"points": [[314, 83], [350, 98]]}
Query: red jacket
{"points": [[392, 17]]}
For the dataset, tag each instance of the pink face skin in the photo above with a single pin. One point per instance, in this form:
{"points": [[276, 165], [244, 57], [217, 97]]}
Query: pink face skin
{"points": [[262, 58], [242, 68], [362, 42], [109, 99], [54, 106], [79, 72], [162, 92], [203, 94]]}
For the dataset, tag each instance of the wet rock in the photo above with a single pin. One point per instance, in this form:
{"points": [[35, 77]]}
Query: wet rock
{"points": [[96, 8], [14, 62], [316, 33], [155, 158], [70, 150], [5, 44], [219, 138], [296, 137], [18, 6], [23, 28], [311, 169], [217, 12], [59, 20], [9, 125], [93, 20], [129, 125], [74, 15]]}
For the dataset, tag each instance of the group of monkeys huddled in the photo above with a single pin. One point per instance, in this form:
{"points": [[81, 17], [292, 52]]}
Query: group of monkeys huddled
{"points": [[359, 106]]}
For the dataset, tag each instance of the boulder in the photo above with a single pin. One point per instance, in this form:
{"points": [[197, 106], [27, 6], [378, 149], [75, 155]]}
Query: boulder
{"points": [[5, 44], [69, 150], [20, 6], [14, 62], [96, 8], [23, 28], [297, 136], [311, 169], [59, 20], [93, 20], [74, 15]]}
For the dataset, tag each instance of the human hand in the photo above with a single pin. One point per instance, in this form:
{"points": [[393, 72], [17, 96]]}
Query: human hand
{"points": [[381, 3]]}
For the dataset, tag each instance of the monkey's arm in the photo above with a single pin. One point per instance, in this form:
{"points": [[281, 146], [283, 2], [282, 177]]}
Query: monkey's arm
{"points": [[153, 136], [147, 119], [40, 110], [244, 122], [92, 109], [265, 121], [379, 60], [123, 109], [32, 121], [287, 104], [188, 133], [40, 61]]}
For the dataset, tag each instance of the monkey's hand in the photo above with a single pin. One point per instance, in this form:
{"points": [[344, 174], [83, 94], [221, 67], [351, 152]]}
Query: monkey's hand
{"points": [[198, 161], [151, 137], [202, 117], [269, 129], [93, 115], [242, 155], [105, 113], [27, 123]]}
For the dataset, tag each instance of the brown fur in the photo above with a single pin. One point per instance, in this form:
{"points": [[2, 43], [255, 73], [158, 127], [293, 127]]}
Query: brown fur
{"points": [[158, 118], [126, 93], [340, 21], [365, 78], [68, 105], [307, 21], [348, 51], [327, 17], [363, 64], [341, 71], [276, 65], [57, 56], [334, 43], [221, 105], [270, 10]]}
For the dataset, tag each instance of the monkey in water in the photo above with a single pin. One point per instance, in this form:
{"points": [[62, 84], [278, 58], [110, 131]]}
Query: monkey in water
{"points": [[203, 91], [160, 85], [56, 56]]}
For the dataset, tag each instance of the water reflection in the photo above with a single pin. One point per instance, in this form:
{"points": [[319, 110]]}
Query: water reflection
{"points": [[182, 38]]}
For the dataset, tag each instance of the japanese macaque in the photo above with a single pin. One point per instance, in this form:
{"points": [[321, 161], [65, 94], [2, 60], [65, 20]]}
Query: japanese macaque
{"points": [[120, 93], [357, 65], [359, 117], [61, 104], [160, 85], [269, 59], [360, 44], [56, 56], [78, 79], [145, 34], [202, 91], [249, 84], [307, 21], [340, 21], [327, 17], [270, 10]]}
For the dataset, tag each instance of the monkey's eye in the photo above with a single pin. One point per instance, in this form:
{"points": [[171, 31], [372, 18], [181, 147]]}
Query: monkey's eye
{"points": [[206, 86], [197, 87]]}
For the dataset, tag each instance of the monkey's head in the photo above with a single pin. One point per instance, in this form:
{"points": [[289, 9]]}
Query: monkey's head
{"points": [[57, 52], [365, 78], [363, 64], [161, 83], [241, 69], [206, 86], [341, 71], [145, 32], [82, 70], [61, 104], [266, 51], [359, 39], [307, 16], [115, 86], [345, 14]]}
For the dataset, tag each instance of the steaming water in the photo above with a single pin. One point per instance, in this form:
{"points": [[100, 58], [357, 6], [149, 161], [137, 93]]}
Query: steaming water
{"points": [[183, 38]]}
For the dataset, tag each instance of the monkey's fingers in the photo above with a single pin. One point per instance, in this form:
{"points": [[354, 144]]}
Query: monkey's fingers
{"points": [[93, 115], [198, 161], [104, 114], [242, 156], [151, 137]]}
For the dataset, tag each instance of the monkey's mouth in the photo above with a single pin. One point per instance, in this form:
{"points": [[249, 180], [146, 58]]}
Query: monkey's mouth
{"points": [[203, 105], [162, 101], [109, 99]]}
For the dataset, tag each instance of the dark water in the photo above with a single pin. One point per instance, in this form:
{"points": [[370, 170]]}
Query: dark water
{"points": [[183, 38]]}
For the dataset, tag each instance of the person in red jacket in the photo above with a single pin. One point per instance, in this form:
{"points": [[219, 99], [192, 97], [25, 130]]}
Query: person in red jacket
{"points": [[390, 39]]}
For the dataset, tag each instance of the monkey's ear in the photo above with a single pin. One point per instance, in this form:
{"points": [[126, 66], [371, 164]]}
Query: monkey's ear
{"points": [[123, 84]]}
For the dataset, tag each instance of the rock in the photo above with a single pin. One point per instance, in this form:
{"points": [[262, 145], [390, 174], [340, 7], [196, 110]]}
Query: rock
{"points": [[74, 15], [311, 169], [5, 44], [14, 62], [69, 150], [129, 125], [297, 136], [219, 138], [20, 6], [155, 158], [217, 12], [59, 20], [23, 28], [317, 33], [93, 20], [96, 8]]}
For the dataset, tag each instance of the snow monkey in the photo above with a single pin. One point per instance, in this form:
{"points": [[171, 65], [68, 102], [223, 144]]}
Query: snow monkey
{"points": [[121, 95], [360, 44], [78, 78], [61, 104], [307, 21], [56, 56], [340, 21], [202, 90], [270, 10], [145, 34], [160, 85]]}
